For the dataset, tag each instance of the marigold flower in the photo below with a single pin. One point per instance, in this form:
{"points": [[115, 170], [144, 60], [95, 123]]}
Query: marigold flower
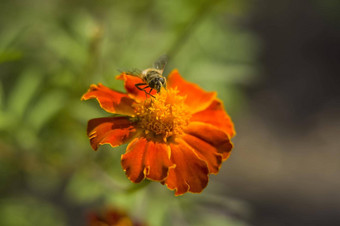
{"points": [[111, 217], [177, 138]]}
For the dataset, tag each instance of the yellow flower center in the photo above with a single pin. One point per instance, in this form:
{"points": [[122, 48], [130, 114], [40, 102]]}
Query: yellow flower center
{"points": [[164, 116]]}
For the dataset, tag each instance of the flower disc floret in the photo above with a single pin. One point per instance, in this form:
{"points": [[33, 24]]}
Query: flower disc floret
{"points": [[164, 116]]}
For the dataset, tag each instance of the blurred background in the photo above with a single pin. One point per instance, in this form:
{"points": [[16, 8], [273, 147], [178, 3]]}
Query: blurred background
{"points": [[275, 65]]}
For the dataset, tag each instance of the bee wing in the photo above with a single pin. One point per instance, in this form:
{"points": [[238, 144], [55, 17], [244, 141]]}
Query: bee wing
{"points": [[161, 62], [133, 71]]}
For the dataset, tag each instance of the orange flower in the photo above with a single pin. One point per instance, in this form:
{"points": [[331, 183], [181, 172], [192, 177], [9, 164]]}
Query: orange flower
{"points": [[111, 217], [177, 138]]}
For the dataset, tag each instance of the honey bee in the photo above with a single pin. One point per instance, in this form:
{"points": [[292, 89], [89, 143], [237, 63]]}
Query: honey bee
{"points": [[152, 77]]}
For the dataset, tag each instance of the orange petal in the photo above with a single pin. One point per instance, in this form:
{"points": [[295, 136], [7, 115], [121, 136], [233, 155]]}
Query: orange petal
{"points": [[110, 100], [197, 99], [133, 161], [130, 82], [146, 159], [216, 116], [157, 161], [190, 173], [114, 131], [208, 142]]}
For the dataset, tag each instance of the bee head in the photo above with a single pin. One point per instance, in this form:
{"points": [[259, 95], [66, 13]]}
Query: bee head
{"points": [[158, 83]]}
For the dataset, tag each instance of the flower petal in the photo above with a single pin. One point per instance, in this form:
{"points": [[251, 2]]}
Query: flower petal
{"points": [[148, 159], [113, 130], [208, 142], [157, 161], [130, 82], [190, 173], [197, 99], [133, 160], [215, 115], [110, 100]]}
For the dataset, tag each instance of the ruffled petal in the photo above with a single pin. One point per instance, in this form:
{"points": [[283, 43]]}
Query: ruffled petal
{"points": [[215, 115], [133, 161], [157, 161], [197, 99], [113, 130], [208, 142], [190, 172], [130, 82], [110, 100], [146, 159]]}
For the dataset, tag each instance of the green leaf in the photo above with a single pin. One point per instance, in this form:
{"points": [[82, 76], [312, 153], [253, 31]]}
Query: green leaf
{"points": [[10, 55], [46, 107], [27, 211], [1, 96], [23, 92], [6, 120]]}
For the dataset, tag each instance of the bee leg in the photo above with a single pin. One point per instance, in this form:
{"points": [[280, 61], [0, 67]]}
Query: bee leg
{"points": [[141, 84], [150, 93], [143, 89]]}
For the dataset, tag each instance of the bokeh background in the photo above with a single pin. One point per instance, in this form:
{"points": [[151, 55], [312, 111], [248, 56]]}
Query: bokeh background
{"points": [[275, 64]]}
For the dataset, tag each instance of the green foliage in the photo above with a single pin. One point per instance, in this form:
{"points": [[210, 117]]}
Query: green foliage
{"points": [[27, 211]]}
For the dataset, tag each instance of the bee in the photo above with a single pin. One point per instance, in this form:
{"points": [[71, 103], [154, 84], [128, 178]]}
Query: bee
{"points": [[152, 77]]}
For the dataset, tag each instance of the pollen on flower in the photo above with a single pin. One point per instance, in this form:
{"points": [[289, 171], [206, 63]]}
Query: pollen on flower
{"points": [[164, 116]]}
